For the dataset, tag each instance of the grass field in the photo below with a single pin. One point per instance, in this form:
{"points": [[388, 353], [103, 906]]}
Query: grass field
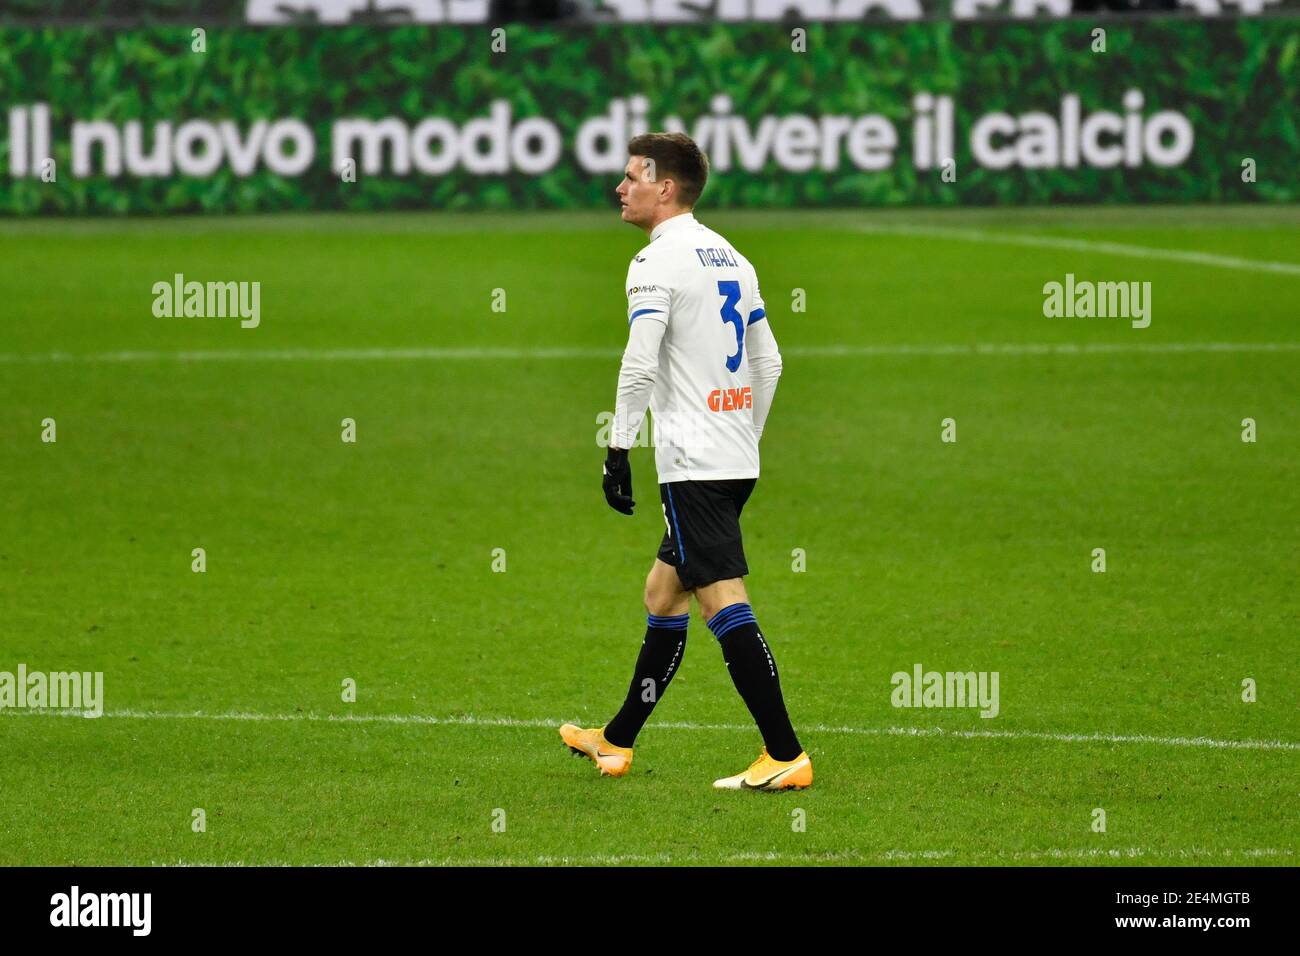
{"points": [[476, 430]]}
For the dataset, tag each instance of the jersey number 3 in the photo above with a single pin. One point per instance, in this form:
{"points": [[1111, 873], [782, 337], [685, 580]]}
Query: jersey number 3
{"points": [[730, 288]]}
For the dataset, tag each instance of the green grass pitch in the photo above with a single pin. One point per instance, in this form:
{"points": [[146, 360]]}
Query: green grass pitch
{"points": [[374, 561]]}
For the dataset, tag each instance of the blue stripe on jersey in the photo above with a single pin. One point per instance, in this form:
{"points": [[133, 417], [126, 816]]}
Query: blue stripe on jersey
{"points": [[756, 315], [640, 312]]}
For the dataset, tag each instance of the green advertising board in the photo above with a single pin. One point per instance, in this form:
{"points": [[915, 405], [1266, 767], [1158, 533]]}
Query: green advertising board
{"points": [[172, 119]]}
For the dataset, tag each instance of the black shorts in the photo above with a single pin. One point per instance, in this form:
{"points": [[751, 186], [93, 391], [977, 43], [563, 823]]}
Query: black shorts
{"points": [[703, 538]]}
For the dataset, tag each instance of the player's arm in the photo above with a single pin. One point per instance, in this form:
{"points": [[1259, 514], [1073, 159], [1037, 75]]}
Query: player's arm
{"points": [[636, 379], [764, 361], [647, 310]]}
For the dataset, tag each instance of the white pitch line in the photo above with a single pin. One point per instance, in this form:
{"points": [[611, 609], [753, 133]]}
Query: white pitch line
{"points": [[1086, 245], [853, 856], [1039, 348], [450, 353], [487, 353], [530, 723]]}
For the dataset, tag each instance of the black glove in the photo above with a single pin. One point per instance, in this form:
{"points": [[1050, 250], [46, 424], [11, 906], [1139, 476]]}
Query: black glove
{"points": [[618, 481]]}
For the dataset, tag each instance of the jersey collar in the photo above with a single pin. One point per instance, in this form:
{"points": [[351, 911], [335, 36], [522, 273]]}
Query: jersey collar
{"points": [[680, 221]]}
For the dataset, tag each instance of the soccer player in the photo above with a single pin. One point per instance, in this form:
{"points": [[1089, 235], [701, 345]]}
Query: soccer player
{"points": [[701, 354]]}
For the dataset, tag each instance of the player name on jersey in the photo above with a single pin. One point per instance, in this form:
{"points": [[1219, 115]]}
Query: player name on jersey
{"points": [[717, 257]]}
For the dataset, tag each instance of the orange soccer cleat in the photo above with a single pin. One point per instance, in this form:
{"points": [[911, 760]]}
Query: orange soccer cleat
{"points": [[612, 761], [766, 773]]}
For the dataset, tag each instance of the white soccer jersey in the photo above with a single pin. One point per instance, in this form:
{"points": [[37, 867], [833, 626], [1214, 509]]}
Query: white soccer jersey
{"points": [[700, 352]]}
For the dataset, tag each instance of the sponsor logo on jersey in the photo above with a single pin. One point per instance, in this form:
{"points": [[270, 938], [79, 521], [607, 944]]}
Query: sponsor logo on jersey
{"points": [[642, 288], [730, 399]]}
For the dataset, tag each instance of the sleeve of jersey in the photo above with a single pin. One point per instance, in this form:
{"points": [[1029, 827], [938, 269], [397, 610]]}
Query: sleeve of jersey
{"points": [[764, 362], [636, 380], [648, 297], [648, 292]]}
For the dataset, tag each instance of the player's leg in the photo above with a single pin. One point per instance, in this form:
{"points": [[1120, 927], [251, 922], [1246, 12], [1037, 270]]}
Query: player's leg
{"points": [[750, 662], [668, 607], [664, 594], [724, 603], [720, 594]]}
